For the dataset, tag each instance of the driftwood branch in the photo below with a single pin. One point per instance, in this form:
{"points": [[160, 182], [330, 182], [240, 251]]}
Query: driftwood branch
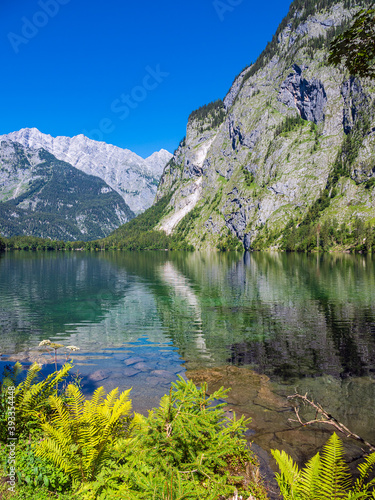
{"points": [[323, 417]]}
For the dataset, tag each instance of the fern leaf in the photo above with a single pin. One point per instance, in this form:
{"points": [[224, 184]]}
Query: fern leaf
{"points": [[30, 398], [111, 398], [24, 386], [309, 479], [335, 476], [96, 400], [75, 401], [364, 469], [289, 477]]}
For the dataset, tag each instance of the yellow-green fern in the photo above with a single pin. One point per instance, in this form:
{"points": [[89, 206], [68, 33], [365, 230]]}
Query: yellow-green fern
{"points": [[30, 396], [80, 431], [325, 476]]}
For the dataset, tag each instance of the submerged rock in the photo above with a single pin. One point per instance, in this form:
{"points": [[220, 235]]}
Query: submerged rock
{"points": [[99, 375], [133, 361], [130, 372], [273, 421]]}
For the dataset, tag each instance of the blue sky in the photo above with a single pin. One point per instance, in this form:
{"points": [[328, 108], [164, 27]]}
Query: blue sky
{"points": [[127, 73]]}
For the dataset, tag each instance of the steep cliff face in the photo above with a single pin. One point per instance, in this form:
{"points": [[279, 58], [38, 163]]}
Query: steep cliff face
{"points": [[252, 165]]}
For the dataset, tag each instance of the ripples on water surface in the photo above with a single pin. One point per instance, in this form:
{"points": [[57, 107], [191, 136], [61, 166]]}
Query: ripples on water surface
{"points": [[142, 318]]}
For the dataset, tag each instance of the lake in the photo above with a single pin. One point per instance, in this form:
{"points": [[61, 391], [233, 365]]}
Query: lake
{"points": [[267, 324]]}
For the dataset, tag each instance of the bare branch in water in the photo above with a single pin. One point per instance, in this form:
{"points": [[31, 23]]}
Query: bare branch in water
{"points": [[323, 417]]}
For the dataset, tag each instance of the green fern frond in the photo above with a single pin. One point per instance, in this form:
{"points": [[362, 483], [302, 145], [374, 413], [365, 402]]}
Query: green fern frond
{"points": [[287, 466], [365, 470], [62, 415], [24, 386], [335, 476], [96, 400], [76, 401], [60, 436], [308, 484], [288, 479], [111, 398], [31, 397], [80, 430], [324, 477], [57, 453], [357, 496]]}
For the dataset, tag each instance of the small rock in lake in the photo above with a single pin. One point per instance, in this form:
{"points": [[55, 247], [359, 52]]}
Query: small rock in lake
{"points": [[133, 361], [163, 373], [155, 381], [153, 354], [152, 381], [130, 372], [99, 375], [143, 367]]}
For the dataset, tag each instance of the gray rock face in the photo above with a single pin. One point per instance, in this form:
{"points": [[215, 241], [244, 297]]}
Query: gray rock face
{"points": [[211, 226], [134, 178], [309, 97], [354, 101], [239, 137], [192, 169], [157, 161], [235, 88], [255, 175]]}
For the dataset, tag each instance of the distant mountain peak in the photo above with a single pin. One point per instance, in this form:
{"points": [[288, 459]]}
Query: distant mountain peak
{"points": [[133, 177], [49, 198]]}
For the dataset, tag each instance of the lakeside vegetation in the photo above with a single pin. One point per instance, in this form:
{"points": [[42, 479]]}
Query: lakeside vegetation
{"points": [[72, 447], [308, 235], [311, 235], [68, 446], [137, 234]]}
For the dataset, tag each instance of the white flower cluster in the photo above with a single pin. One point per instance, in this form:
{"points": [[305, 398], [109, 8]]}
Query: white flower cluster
{"points": [[45, 342], [56, 346]]}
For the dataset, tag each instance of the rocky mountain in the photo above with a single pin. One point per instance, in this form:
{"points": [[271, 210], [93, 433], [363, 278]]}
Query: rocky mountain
{"points": [[43, 196], [157, 161], [134, 178], [292, 142]]}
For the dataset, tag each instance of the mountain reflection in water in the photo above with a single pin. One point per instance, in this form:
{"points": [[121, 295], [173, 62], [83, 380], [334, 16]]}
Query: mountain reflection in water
{"points": [[140, 319]]}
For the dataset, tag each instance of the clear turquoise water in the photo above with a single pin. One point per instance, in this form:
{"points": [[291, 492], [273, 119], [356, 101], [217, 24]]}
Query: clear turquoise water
{"points": [[301, 320]]}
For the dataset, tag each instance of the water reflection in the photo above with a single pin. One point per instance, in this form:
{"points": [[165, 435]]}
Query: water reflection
{"points": [[288, 315], [298, 319]]}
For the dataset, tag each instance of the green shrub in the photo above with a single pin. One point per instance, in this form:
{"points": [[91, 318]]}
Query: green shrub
{"points": [[185, 449], [94, 449], [229, 243], [34, 471]]}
